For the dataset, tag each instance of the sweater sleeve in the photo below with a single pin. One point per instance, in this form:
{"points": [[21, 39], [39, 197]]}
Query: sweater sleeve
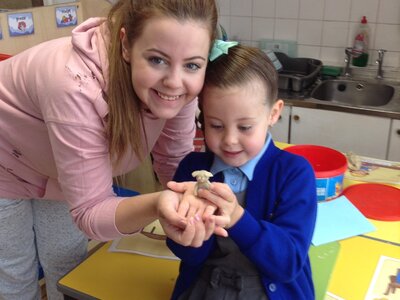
{"points": [[85, 176], [174, 143], [278, 241]]}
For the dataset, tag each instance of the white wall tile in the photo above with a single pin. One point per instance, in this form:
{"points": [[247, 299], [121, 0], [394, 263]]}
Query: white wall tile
{"points": [[337, 10], [240, 28], [335, 34], [308, 51], [388, 37], [288, 9], [310, 32], [311, 9], [368, 8], [389, 12], [285, 29], [332, 56], [224, 7], [263, 28], [264, 8], [241, 8]]}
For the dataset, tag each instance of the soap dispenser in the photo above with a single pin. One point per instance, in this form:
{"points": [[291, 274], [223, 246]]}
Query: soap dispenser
{"points": [[360, 46]]}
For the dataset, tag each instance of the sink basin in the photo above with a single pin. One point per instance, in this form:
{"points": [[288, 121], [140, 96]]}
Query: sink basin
{"points": [[354, 92]]}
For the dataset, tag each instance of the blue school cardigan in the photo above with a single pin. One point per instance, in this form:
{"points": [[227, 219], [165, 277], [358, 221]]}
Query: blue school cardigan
{"points": [[275, 231]]}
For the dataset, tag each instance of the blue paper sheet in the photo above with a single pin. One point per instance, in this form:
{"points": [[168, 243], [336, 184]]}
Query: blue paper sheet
{"points": [[339, 219]]}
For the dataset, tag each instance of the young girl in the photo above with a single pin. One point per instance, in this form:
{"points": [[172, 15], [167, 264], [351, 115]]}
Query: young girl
{"points": [[74, 113], [269, 195]]}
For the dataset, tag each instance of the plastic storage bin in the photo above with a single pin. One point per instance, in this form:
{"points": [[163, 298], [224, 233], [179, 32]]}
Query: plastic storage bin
{"points": [[329, 167]]}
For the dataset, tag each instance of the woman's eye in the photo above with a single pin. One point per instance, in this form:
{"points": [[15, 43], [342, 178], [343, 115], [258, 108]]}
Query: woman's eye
{"points": [[192, 67], [156, 60]]}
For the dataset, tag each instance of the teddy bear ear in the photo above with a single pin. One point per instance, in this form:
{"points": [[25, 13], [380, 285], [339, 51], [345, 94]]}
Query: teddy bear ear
{"points": [[195, 173]]}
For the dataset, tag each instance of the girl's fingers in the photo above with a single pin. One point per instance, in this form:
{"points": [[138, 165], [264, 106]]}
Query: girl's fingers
{"points": [[221, 231], [209, 211], [210, 227], [222, 220]]}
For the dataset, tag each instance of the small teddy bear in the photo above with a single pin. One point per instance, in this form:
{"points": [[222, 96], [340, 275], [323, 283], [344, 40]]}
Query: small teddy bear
{"points": [[202, 180]]}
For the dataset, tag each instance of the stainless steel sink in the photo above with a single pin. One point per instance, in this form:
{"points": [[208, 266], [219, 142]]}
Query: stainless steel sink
{"points": [[354, 92]]}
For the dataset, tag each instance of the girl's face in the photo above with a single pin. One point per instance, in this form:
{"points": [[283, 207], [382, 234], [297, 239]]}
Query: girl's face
{"points": [[236, 121], [168, 63]]}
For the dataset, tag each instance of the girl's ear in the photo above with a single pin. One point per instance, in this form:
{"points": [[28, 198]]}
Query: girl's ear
{"points": [[124, 45], [276, 111]]}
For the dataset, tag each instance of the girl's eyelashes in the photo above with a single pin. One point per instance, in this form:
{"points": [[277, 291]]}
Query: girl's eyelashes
{"points": [[245, 128], [215, 126]]}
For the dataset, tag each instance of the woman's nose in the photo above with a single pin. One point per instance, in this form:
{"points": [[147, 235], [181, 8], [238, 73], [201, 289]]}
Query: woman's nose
{"points": [[173, 78]]}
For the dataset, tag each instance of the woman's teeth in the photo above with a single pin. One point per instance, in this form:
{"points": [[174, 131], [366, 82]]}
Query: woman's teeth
{"points": [[169, 98]]}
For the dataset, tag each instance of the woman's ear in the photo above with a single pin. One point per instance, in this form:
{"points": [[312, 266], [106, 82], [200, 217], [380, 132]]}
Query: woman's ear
{"points": [[276, 111], [124, 45]]}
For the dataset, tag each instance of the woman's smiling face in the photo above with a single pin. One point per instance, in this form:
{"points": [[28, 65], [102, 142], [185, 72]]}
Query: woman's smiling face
{"points": [[168, 63]]}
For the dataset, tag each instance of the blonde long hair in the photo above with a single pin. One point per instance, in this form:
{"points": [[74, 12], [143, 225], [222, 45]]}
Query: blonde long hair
{"points": [[124, 123]]}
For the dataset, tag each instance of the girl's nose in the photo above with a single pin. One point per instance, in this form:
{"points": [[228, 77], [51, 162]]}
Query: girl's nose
{"points": [[173, 78], [230, 138]]}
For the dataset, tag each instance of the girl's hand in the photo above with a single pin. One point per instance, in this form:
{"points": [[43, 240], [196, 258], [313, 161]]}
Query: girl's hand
{"points": [[192, 206], [229, 210]]}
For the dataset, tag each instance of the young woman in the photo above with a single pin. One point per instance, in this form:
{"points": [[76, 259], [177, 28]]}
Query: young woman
{"points": [[74, 113]]}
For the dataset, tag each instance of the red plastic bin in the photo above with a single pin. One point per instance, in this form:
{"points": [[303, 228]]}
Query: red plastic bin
{"points": [[4, 56]]}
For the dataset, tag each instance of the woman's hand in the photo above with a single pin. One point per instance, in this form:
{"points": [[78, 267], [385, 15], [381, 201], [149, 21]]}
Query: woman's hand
{"points": [[192, 206], [229, 210]]}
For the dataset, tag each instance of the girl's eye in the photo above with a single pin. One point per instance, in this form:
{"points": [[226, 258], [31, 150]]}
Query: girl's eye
{"points": [[215, 126], [156, 60], [193, 67], [245, 128]]}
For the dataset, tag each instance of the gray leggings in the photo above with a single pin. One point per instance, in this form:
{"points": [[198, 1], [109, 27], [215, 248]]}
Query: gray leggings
{"points": [[33, 231]]}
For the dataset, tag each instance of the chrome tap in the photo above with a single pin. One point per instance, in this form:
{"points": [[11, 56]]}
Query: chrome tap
{"points": [[379, 62], [347, 60]]}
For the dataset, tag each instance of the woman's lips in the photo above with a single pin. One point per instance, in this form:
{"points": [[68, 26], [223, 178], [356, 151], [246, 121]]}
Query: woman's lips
{"points": [[168, 97]]}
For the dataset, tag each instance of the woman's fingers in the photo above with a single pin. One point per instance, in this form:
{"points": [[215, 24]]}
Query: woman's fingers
{"points": [[199, 236], [178, 187]]}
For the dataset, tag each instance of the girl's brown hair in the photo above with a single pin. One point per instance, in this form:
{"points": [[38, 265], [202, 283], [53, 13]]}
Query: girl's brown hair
{"points": [[241, 65], [124, 124]]}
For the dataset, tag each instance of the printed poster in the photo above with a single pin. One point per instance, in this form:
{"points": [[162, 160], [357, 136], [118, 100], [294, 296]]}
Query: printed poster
{"points": [[20, 24], [66, 16], [385, 284]]}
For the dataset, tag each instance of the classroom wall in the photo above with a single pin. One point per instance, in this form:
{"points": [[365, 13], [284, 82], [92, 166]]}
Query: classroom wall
{"points": [[45, 24]]}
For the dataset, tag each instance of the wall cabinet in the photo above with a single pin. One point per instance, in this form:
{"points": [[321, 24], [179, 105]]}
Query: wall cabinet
{"points": [[280, 131], [394, 142]]}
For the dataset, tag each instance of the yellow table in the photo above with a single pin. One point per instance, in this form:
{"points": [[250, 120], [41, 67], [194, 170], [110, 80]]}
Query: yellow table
{"points": [[110, 275]]}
